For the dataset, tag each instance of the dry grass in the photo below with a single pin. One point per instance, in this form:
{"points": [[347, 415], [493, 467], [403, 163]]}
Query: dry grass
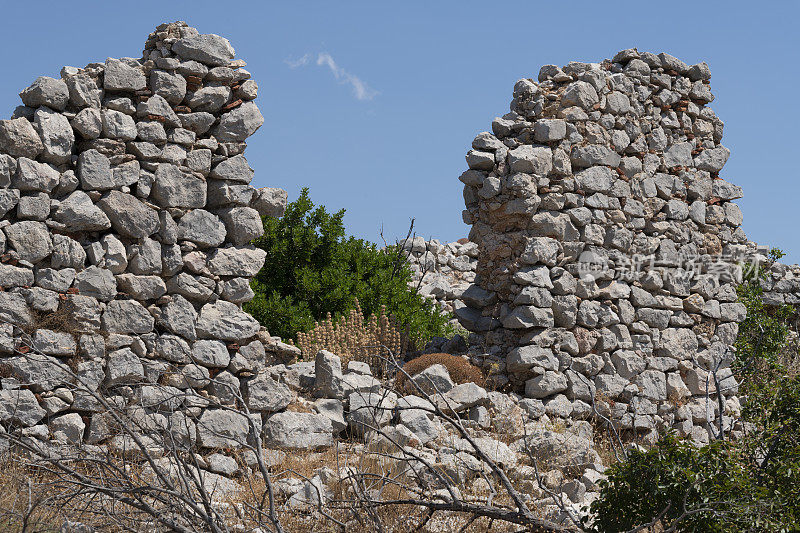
{"points": [[354, 337], [460, 370]]}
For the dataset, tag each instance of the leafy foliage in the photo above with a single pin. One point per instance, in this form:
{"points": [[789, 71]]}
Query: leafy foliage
{"points": [[674, 482], [312, 268], [750, 484]]}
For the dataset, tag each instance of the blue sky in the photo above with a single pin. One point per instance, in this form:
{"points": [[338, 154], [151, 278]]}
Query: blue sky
{"points": [[374, 104]]}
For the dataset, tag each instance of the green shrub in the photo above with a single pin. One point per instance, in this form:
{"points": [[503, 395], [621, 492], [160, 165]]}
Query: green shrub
{"points": [[312, 268]]}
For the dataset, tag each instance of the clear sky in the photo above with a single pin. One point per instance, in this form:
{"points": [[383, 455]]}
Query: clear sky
{"points": [[373, 105]]}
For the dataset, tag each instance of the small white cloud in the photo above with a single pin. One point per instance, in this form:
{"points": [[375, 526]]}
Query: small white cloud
{"points": [[295, 63], [360, 89]]}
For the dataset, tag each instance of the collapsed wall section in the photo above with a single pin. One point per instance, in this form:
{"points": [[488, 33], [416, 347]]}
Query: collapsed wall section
{"points": [[126, 212], [609, 247]]}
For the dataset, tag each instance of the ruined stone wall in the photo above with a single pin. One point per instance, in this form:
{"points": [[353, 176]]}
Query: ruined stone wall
{"points": [[125, 213], [607, 241]]}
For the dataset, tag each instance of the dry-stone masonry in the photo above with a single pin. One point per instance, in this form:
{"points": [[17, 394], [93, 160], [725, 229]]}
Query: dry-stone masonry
{"points": [[126, 210], [604, 232]]}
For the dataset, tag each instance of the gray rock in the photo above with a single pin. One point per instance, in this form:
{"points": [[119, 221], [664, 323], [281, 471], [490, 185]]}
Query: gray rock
{"points": [[57, 137], [58, 280], [172, 87], [157, 106], [264, 394], [218, 428], [179, 317], [370, 411], [20, 407], [548, 130], [13, 276], [594, 154], [202, 228], [462, 397], [235, 169], [88, 123], [209, 99], [19, 139], [127, 317], [580, 93], [712, 159], [209, 49], [224, 320], [595, 179], [9, 198], [46, 91], [211, 353], [68, 428], [129, 216], [243, 224], [83, 91], [537, 160], [528, 316], [192, 287], [141, 287], [33, 176], [97, 283], [547, 384], [270, 202], [236, 261], [56, 343], [175, 188], [41, 373], [79, 213], [94, 171], [30, 239], [298, 431], [118, 125], [119, 76], [433, 380], [239, 123], [198, 122], [328, 376], [334, 410], [525, 358]]}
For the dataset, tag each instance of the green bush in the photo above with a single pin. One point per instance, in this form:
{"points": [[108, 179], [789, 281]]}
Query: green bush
{"points": [[312, 268], [750, 484]]}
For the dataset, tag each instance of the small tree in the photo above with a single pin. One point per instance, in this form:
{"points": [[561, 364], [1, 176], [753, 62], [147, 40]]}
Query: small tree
{"points": [[312, 269]]}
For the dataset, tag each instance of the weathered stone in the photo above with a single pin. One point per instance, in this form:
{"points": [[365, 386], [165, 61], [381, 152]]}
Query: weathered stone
{"points": [[209, 49], [127, 317], [120, 76], [298, 431], [19, 139], [20, 407], [263, 393], [30, 239], [218, 428], [239, 124], [175, 188], [33, 176], [57, 137], [79, 213], [202, 228], [224, 320]]}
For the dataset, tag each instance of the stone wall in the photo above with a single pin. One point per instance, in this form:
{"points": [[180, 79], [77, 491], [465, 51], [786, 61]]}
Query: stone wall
{"points": [[607, 240], [126, 210]]}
